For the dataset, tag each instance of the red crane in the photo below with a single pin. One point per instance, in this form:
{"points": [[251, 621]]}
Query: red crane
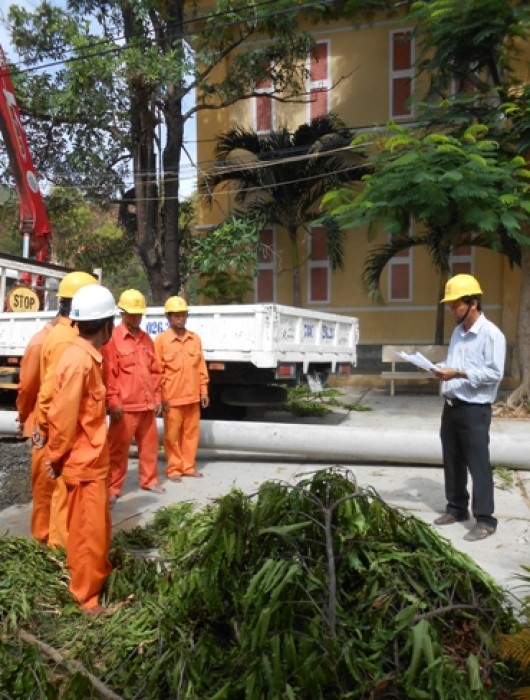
{"points": [[34, 223]]}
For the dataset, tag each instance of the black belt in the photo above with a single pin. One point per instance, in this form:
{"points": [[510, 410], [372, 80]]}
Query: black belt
{"points": [[450, 401]]}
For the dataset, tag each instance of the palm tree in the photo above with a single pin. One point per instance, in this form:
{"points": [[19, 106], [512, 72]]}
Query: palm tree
{"points": [[281, 177], [439, 246]]}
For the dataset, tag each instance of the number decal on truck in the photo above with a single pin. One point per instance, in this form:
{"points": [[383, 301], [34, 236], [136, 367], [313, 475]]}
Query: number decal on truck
{"points": [[328, 332], [308, 330], [153, 328]]}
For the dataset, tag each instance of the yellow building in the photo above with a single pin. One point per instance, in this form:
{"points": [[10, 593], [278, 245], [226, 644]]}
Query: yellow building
{"points": [[365, 74]]}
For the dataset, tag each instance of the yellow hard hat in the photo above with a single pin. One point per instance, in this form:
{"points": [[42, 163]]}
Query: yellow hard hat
{"points": [[132, 301], [74, 281], [461, 286], [175, 305]]}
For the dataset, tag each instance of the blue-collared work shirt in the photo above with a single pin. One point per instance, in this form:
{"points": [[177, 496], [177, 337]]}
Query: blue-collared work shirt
{"points": [[480, 352]]}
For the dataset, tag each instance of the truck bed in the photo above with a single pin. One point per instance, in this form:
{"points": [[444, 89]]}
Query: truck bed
{"points": [[262, 334], [267, 334]]}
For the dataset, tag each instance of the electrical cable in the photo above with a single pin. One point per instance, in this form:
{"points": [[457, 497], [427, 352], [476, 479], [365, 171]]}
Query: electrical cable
{"points": [[200, 18]]}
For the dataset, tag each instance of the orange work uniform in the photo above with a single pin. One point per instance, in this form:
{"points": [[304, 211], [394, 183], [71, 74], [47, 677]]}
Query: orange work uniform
{"points": [[58, 340], [78, 440], [184, 379], [131, 376], [28, 390]]}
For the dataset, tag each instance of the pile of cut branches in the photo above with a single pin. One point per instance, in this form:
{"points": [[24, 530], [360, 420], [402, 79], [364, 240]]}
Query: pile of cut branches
{"points": [[308, 591]]}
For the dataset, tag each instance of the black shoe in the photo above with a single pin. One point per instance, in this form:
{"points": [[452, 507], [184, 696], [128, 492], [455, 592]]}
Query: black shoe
{"points": [[479, 532], [449, 519]]}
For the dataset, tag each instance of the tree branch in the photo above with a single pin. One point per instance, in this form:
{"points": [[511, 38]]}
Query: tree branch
{"points": [[69, 664]]}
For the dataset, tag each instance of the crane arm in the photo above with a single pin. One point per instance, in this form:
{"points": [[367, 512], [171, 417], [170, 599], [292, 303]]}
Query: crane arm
{"points": [[34, 223]]}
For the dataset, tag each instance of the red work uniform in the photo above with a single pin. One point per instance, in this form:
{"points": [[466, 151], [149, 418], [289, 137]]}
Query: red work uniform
{"points": [[58, 340], [78, 440], [131, 376], [184, 379], [28, 389]]}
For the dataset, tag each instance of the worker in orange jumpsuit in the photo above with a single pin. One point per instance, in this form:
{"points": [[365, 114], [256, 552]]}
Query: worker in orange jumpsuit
{"points": [[28, 390], [78, 447], [58, 339], [131, 376], [184, 390]]}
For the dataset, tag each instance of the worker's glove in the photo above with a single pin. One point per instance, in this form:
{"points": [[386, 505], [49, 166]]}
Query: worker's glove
{"points": [[38, 438], [116, 413]]}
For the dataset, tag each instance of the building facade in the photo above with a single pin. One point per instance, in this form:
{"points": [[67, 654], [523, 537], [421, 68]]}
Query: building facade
{"points": [[364, 74]]}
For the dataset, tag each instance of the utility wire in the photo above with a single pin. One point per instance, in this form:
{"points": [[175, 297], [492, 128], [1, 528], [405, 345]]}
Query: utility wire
{"points": [[235, 166], [143, 39]]}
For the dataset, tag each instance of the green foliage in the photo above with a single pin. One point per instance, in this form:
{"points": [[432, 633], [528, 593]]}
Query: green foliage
{"points": [[315, 590], [10, 236], [224, 288], [98, 117], [457, 184], [86, 237], [301, 401], [223, 258], [471, 38]]}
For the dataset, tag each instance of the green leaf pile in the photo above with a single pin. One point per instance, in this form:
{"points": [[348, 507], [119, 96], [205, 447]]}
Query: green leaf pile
{"points": [[311, 591]]}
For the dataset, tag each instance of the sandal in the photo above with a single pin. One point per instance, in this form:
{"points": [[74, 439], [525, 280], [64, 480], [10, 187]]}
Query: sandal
{"points": [[479, 532], [155, 488]]}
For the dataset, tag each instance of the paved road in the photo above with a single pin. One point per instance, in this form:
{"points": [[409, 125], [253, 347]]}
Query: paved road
{"points": [[417, 489]]}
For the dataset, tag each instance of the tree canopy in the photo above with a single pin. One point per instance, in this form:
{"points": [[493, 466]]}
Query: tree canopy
{"points": [[103, 88]]}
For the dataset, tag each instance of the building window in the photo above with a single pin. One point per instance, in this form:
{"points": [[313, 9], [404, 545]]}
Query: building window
{"points": [[263, 108], [461, 260], [318, 272], [264, 287], [319, 81], [401, 74], [400, 276]]}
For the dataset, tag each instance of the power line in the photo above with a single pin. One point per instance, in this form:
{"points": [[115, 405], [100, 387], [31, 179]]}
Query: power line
{"points": [[253, 188], [235, 166], [198, 19]]}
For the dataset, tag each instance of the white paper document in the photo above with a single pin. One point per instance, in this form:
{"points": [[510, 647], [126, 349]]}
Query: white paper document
{"points": [[417, 359]]}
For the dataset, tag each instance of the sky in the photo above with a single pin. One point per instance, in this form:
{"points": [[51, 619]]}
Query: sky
{"points": [[188, 169]]}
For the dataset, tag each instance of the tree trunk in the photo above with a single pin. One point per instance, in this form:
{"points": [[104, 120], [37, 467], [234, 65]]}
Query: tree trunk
{"points": [[439, 330], [144, 163], [172, 154], [295, 262], [522, 393], [171, 206]]}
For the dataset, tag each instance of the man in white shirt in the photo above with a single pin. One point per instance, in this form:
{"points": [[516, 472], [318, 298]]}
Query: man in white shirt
{"points": [[471, 376]]}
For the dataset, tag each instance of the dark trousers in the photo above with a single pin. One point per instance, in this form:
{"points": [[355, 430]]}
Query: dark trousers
{"points": [[465, 435]]}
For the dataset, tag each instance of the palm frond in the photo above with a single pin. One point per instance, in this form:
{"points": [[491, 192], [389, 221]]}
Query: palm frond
{"points": [[336, 238], [379, 257]]}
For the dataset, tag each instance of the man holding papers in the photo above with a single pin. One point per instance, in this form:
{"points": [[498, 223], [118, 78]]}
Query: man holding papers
{"points": [[471, 376]]}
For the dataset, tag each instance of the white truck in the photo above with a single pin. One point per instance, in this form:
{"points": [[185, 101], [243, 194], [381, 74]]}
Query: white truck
{"points": [[251, 349]]}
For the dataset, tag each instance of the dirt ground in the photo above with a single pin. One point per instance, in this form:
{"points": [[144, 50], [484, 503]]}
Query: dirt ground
{"points": [[15, 473]]}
